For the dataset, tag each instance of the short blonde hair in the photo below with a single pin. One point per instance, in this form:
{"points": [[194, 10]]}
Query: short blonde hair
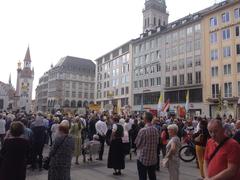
{"points": [[173, 127]]}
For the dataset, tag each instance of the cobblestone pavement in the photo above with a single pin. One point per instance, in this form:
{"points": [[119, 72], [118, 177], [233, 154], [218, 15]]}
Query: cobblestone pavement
{"points": [[98, 170]]}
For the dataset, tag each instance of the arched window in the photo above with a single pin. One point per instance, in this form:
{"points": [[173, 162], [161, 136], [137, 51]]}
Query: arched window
{"points": [[91, 102], [85, 104], [159, 22], [79, 104], [66, 103], [154, 21], [73, 104], [53, 103], [49, 103]]}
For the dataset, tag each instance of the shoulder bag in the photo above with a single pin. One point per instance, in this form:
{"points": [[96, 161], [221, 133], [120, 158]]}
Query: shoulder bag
{"points": [[46, 161], [218, 148]]}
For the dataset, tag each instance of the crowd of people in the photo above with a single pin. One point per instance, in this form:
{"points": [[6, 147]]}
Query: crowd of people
{"points": [[24, 136]]}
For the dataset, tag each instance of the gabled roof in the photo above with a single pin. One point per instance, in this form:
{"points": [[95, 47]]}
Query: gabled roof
{"points": [[75, 64]]}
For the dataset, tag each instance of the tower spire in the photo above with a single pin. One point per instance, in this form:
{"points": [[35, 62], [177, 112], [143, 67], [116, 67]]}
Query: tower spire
{"points": [[27, 60], [27, 55], [10, 79]]}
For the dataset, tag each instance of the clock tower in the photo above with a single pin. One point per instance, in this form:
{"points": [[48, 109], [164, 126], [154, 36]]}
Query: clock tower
{"points": [[24, 87], [154, 14]]}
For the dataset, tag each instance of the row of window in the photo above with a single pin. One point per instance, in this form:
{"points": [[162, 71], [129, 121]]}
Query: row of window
{"points": [[77, 76], [75, 104], [170, 52], [171, 38], [226, 34], [125, 68], [227, 52], [225, 17], [148, 70], [181, 82], [80, 95], [169, 83], [147, 82], [227, 90], [227, 70], [80, 85], [175, 66], [123, 80], [118, 61]]}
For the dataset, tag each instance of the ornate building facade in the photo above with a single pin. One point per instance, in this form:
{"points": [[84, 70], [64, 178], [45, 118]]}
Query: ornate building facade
{"points": [[25, 76], [68, 85]]}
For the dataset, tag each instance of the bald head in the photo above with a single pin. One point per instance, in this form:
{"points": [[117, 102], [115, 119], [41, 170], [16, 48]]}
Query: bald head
{"points": [[216, 130]]}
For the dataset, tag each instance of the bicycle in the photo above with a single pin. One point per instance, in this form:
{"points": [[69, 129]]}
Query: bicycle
{"points": [[187, 153]]}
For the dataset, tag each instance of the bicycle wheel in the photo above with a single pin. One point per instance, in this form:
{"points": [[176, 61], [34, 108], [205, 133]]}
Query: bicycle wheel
{"points": [[187, 153]]}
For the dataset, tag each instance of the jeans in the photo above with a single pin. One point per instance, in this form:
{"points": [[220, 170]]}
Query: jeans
{"points": [[143, 171]]}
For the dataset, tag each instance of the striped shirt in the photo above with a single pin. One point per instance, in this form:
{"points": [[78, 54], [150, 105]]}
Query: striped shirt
{"points": [[146, 142]]}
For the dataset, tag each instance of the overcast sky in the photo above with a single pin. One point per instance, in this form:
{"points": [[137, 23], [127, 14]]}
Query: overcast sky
{"points": [[81, 28]]}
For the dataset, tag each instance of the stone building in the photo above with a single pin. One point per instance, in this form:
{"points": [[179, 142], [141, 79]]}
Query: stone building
{"points": [[24, 86], [7, 96], [68, 85]]}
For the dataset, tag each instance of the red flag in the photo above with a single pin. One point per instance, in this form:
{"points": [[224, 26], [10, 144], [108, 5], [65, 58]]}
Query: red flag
{"points": [[166, 106]]}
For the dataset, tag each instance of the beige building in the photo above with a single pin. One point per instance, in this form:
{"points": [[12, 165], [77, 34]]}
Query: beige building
{"points": [[222, 58], [113, 79], [69, 85]]}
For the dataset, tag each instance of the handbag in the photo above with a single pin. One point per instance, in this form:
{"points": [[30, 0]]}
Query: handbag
{"points": [[46, 160], [165, 162]]}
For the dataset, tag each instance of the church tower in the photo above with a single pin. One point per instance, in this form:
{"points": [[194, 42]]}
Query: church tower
{"points": [[154, 14], [24, 87]]}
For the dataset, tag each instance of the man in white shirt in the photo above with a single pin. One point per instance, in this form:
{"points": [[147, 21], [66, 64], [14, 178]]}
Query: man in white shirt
{"points": [[101, 129], [2, 129]]}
